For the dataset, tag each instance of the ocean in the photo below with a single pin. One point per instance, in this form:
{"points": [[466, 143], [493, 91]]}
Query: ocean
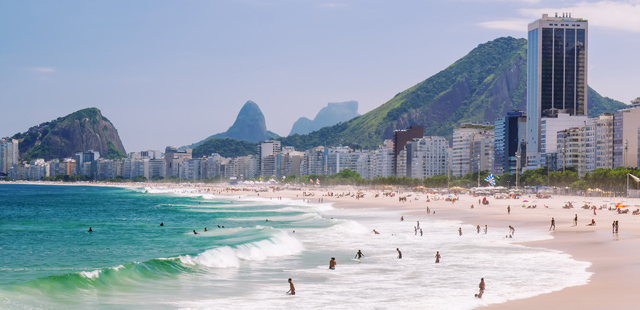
{"points": [[50, 261]]}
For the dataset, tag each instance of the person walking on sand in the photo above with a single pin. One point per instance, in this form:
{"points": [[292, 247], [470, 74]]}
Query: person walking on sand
{"points": [[460, 231], [481, 287], [508, 209], [292, 289], [332, 263], [438, 257], [553, 224], [399, 253]]}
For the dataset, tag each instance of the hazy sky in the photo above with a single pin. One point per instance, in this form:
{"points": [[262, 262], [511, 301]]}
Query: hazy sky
{"points": [[175, 72]]}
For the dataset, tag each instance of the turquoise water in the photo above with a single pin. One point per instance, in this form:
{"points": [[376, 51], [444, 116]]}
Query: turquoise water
{"points": [[48, 254], [50, 261]]}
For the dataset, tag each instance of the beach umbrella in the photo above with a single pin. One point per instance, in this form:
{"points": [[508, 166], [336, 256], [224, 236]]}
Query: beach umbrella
{"points": [[619, 205], [525, 200]]}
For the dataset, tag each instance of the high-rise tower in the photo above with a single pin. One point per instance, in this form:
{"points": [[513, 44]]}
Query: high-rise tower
{"points": [[556, 74]]}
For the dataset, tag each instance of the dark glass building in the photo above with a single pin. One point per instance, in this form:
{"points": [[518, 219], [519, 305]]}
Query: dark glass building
{"points": [[509, 138], [400, 139], [556, 72]]}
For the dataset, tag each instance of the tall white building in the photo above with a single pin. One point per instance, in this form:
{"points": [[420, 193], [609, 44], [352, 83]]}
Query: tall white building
{"points": [[9, 154], [427, 157], [472, 144]]}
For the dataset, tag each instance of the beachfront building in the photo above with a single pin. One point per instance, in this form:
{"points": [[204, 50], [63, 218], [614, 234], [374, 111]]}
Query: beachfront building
{"points": [[65, 167], [509, 139], [427, 157], [625, 127], [172, 159], [268, 154], [338, 159], [214, 166], [9, 154], [156, 168], [604, 141], [472, 149], [243, 167], [291, 161], [313, 162], [381, 162], [556, 76], [550, 126], [401, 164], [400, 140]]}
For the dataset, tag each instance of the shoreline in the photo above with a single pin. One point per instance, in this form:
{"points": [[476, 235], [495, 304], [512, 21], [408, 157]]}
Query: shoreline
{"points": [[612, 256]]}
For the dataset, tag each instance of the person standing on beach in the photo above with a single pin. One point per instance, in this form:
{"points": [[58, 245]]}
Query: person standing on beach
{"points": [[485, 229], [613, 227], [508, 209], [418, 222], [415, 230], [399, 253], [553, 224], [575, 220], [332, 263], [617, 226], [292, 289], [460, 231], [402, 218], [437, 257], [478, 228], [420, 232]]}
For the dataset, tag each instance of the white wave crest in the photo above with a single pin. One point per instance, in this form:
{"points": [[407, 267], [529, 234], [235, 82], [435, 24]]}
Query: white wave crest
{"points": [[91, 274], [226, 257]]}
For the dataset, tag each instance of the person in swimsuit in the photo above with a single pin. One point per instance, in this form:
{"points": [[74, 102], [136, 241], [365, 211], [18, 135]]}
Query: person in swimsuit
{"points": [[481, 286], [292, 289], [437, 257], [195, 233], [399, 253], [359, 255], [460, 231], [162, 224], [90, 230], [332, 263], [553, 224]]}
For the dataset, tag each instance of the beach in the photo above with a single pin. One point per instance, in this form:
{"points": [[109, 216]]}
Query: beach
{"points": [[613, 257], [609, 280]]}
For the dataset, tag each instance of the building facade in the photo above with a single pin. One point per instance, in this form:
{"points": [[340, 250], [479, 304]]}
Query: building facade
{"points": [[556, 74]]}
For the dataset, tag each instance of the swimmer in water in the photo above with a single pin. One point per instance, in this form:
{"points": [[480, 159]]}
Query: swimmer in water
{"points": [[359, 255], [292, 289], [162, 224], [399, 253], [195, 232], [90, 230], [332, 263]]}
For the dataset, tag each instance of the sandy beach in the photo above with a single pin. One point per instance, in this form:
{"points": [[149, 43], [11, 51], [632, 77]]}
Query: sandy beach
{"points": [[612, 255]]}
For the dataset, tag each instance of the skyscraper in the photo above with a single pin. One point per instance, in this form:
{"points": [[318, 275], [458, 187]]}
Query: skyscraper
{"points": [[556, 73], [400, 139]]}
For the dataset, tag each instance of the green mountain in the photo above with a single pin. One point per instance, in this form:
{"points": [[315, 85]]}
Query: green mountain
{"points": [[480, 87], [83, 130], [225, 147]]}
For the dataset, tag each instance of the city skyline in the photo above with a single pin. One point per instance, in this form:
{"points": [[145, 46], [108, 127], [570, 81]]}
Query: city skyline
{"points": [[169, 73]]}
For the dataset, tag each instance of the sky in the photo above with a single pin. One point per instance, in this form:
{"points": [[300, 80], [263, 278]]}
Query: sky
{"points": [[175, 72]]}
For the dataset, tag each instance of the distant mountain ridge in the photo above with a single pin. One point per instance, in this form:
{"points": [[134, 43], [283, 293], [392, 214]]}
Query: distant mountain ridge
{"points": [[480, 87], [83, 130], [333, 113]]}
